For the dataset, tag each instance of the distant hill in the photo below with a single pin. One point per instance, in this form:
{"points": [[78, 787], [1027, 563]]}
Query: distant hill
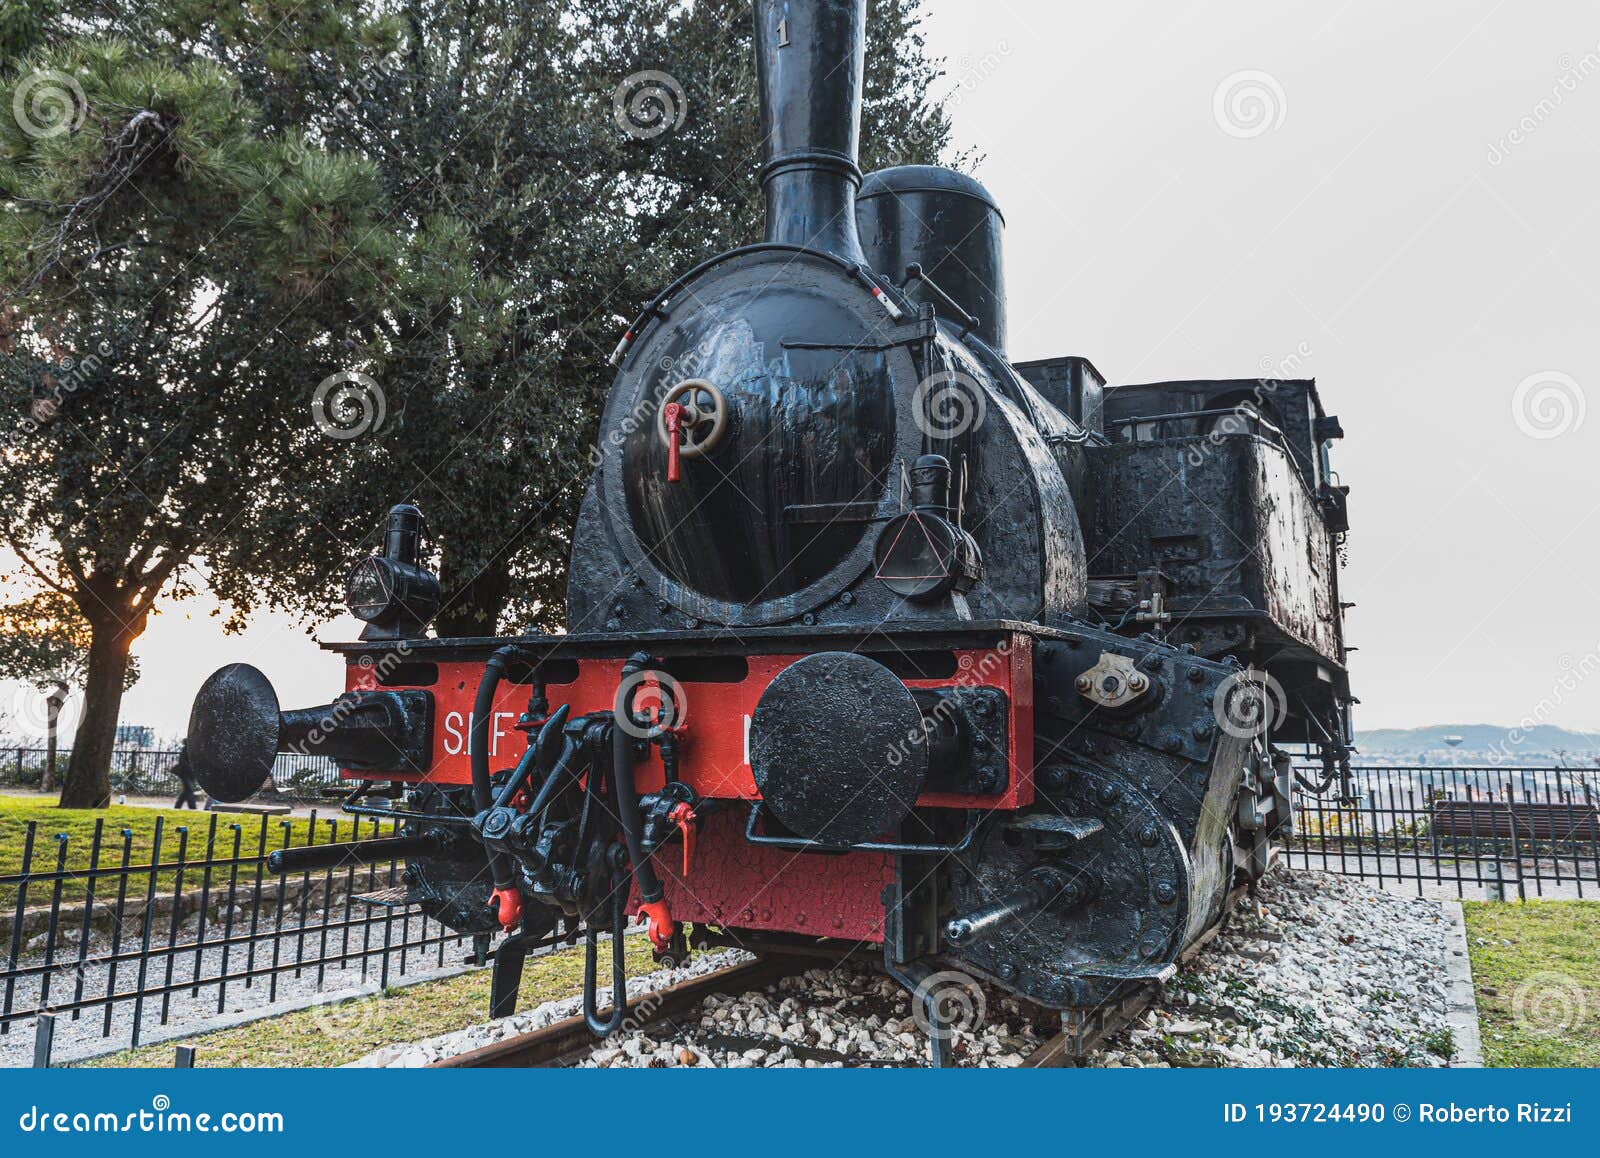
{"points": [[1479, 738]]}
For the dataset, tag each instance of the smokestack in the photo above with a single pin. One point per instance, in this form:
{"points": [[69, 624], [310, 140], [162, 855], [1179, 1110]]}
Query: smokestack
{"points": [[809, 57]]}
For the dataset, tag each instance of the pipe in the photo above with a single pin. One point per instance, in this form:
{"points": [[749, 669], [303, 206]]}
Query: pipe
{"points": [[809, 59], [478, 753], [628, 793], [1038, 889], [346, 853], [619, 968]]}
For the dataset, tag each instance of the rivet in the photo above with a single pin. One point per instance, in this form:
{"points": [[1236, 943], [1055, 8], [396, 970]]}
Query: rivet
{"points": [[848, 598], [1148, 835], [1109, 793], [1166, 892], [1196, 675], [1082, 683], [808, 619]]}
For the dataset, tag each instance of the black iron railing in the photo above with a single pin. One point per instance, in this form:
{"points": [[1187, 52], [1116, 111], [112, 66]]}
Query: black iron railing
{"points": [[1490, 832], [134, 929], [130, 930]]}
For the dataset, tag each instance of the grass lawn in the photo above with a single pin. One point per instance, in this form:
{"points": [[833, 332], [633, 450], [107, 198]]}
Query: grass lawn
{"points": [[1536, 966], [134, 828], [332, 1035]]}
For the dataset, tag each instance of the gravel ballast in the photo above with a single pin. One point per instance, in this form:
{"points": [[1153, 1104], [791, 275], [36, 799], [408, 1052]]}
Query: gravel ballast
{"points": [[1316, 970]]}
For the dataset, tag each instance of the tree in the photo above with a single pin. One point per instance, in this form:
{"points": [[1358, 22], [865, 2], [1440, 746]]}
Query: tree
{"points": [[539, 225], [147, 226], [44, 643], [269, 268]]}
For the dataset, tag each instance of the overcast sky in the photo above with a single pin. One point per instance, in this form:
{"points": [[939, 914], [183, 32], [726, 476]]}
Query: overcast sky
{"points": [[1400, 198]]}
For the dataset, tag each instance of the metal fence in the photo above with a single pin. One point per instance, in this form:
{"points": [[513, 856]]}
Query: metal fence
{"points": [[148, 772], [115, 932], [1490, 833]]}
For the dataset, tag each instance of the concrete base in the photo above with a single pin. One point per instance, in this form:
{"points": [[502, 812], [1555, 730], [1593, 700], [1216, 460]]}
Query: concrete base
{"points": [[1462, 995]]}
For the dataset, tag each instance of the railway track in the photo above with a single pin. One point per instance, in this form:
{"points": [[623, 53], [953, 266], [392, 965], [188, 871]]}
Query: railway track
{"points": [[567, 1042]]}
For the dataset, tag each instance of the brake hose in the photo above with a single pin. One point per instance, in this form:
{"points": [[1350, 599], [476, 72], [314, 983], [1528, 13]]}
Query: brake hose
{"points": [[628, 814], [478, 750]]}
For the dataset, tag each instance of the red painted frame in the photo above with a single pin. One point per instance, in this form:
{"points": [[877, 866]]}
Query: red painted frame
{"points": [[731, 881], [713, 738]]}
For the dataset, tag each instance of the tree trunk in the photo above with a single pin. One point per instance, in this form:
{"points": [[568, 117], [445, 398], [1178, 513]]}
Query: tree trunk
{"points": [[475, 607], [57, 697], [88, 783]]}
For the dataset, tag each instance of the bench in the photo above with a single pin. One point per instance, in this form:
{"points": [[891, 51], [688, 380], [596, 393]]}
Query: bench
{"points": [[1516, 820]]}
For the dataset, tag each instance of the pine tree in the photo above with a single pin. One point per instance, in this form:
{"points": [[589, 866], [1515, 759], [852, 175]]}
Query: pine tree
{"points": [[147, 224]]}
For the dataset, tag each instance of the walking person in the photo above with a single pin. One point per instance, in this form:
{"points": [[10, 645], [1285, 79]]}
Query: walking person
{"points": [[186, 798]]}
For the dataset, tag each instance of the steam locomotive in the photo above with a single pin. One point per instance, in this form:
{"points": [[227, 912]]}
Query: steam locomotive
{"points": [[876, 638]]}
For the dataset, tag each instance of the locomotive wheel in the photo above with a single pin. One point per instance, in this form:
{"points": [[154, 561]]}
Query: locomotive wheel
{"points": [[1139, 875]]}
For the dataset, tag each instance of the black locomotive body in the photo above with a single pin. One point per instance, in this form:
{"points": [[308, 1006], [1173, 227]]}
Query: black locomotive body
{"points": [[875, 638]]}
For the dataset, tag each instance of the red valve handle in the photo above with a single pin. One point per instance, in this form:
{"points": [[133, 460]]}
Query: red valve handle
{"points": [[683, 816], [673, 414]]}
